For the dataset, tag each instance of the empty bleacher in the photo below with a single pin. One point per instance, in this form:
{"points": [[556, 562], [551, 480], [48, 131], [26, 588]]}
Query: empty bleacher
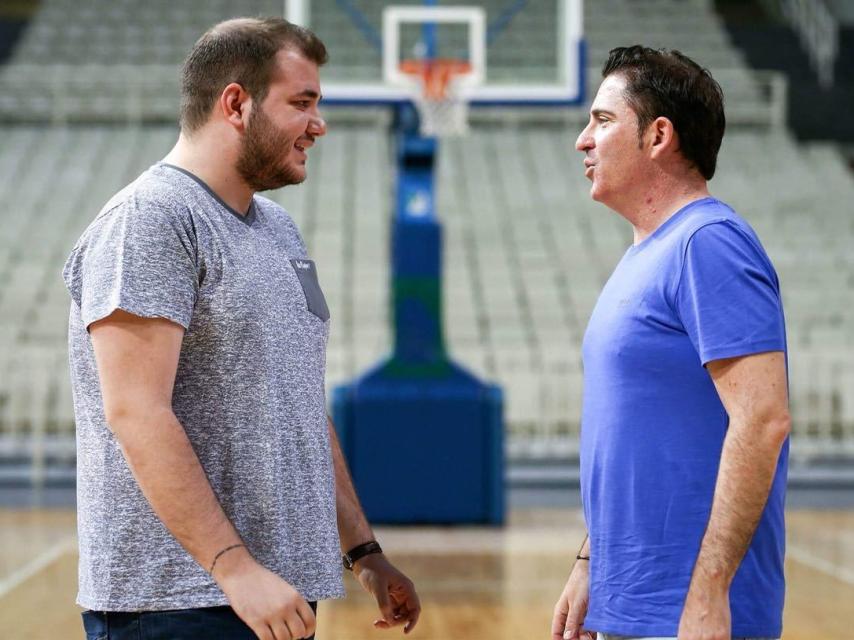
{"points": [[125, 31], [526, 254], [103, 61], [692, 27], [160, 32], [526, 250]]}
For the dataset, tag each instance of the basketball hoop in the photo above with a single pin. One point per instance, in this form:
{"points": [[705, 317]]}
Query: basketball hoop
{"points": [[442, 105]]}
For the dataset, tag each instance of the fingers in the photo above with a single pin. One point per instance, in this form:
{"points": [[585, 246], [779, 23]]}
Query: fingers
{"points": [[559, 620], [289, 623], [566, 623], [410, 610], [385, 605], [295, 623], [407, 616], [262, 631], [572, 626], [405, 607], [281, 631], [401, 615], [293, 626], [414, 614], [395, 595], [308, 619], [296, 627], [390, 617], [271, 607]]}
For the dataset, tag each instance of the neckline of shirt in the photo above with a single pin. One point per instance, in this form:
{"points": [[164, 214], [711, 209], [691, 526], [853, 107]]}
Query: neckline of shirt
{"points": [[669, 222], [248, 218]]}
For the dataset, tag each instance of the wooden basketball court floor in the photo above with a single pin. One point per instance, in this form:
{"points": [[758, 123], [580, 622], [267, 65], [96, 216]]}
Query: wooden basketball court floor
{"points": [[476, 583]]}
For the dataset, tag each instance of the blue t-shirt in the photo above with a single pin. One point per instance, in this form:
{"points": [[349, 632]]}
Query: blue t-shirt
{"points": [[700, 288]]}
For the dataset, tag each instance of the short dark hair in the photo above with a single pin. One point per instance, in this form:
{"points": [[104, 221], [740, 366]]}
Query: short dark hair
{"points": [[667, 83], [241, 50]]}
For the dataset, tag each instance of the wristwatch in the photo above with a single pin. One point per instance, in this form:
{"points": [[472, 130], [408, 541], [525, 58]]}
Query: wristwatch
{"points": [[357, 553]]}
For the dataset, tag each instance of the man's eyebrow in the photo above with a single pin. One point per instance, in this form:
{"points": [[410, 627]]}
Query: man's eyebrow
{"points": [[602, 112], [309, 93]]}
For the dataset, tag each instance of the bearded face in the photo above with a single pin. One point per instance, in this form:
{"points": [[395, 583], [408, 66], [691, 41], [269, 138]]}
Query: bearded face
{"points": [[269, 156]]}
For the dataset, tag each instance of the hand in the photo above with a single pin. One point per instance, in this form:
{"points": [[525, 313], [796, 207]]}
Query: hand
{"points": [[271, 607], [706, 615], [571, 607], [394, 592]]}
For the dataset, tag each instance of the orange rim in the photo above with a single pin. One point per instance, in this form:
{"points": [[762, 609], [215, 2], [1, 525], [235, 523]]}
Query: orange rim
{"points": [[435, 74]]}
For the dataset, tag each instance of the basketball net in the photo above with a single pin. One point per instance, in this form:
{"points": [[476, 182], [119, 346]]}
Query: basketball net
{"points": [[442, 107]]}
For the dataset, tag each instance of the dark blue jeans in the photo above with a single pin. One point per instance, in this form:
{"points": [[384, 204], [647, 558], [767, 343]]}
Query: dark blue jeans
{"points": [[180, 624]]}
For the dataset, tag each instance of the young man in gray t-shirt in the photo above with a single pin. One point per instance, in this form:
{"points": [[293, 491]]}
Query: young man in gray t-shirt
{"points": [[210, 480]]}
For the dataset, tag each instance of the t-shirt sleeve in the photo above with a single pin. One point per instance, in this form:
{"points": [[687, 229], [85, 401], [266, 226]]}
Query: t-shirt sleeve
{"points": [[728, 295], [138, 257]]}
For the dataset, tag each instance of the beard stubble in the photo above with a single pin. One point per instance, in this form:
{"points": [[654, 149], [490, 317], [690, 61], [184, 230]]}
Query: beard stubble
{"points": [[260, 162]]}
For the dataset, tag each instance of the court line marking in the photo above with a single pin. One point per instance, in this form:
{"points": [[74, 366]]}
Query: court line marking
{"points": [[37, 564], [825, 566]]}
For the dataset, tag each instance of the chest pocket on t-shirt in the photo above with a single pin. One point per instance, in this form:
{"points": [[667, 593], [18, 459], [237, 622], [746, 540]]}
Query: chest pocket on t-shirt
{"points": [[307, 274]]}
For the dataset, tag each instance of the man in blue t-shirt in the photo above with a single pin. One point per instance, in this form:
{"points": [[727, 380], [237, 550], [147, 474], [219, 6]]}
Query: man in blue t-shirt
{"points": [[685, 414]]}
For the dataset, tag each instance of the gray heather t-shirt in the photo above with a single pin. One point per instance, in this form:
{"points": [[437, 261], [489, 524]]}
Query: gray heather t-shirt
{"points": [[249, 391]]}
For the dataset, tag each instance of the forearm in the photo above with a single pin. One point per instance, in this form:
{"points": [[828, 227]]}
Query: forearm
{"points": [[748, 463], [584, 551], [171, 478], [581, 562], [353, 527]]}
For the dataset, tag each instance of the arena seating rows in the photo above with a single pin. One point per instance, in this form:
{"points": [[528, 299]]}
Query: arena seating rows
{"points": [[524, 263], [116, 61], [161, 32], [526, 251]]}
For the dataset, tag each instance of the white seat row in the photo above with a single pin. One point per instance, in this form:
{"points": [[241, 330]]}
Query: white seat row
{"points": [[523, 265]]}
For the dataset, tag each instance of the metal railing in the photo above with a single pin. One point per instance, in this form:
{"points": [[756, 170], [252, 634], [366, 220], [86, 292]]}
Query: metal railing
{"points": [[542, 414]]}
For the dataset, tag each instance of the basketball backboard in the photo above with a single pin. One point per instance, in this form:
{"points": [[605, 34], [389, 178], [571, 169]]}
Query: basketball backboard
{"points": [[522, 52]]}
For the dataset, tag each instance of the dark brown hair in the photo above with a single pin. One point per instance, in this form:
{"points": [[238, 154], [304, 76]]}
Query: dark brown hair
{"points": [[241, 50], [666, 83]]}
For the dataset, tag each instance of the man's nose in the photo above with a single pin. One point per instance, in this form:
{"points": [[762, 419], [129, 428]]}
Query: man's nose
{"points": [[584, 140], [317, 126]]}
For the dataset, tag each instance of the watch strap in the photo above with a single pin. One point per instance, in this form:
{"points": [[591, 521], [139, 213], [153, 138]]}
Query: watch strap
{"points": [[357, 553]]}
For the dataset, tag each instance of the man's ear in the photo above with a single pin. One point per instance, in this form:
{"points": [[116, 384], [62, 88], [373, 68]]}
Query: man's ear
{"points": [[662, 136], [235, 104]]}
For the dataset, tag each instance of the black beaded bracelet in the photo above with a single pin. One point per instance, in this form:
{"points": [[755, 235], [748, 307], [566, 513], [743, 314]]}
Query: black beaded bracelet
{"points": [[580, 557]]}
